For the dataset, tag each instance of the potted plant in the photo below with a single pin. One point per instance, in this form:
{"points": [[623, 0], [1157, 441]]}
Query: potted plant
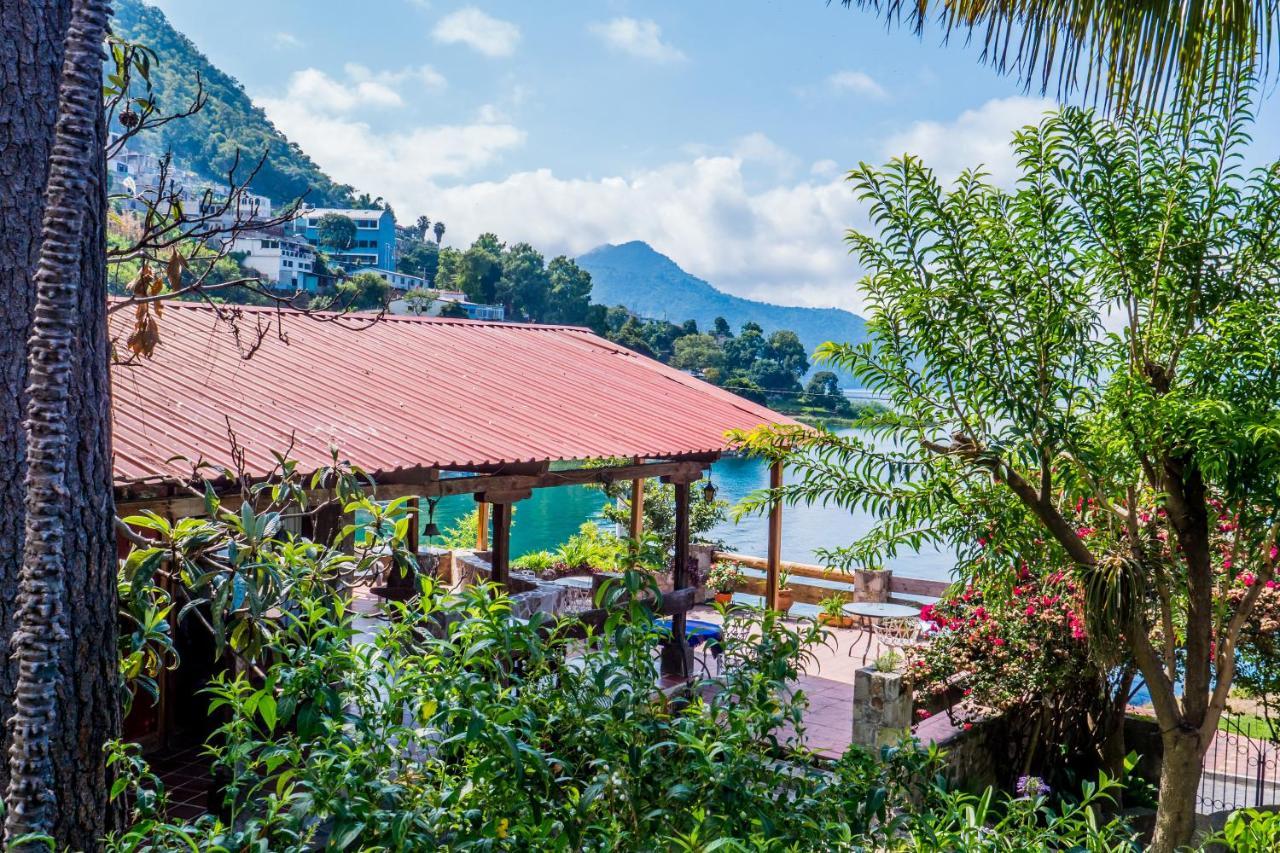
{"points": [[832, 613], [888, 662], [786, 596], [724, 578], [871, 583]]}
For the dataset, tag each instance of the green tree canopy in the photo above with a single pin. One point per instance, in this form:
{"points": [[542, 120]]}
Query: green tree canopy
{"points": [[525, 286], [1091, 359], [365, 291], [480, 270], [336, 231], [774, 377], [697, 352], [420, 258], [823, 391], [742, 352], [570, 298], [785, 348], [746, 387]]}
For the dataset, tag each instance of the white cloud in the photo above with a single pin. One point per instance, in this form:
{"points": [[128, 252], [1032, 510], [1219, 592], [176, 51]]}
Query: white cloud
{"points": [[640, 38], [285, 40], [825, 169], [402, 166], [858, 83], [780, 240], [484, 33], [314, 90], [978, 137], [784, 244]]}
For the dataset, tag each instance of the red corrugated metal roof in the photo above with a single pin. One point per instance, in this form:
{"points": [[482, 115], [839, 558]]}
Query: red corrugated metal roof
{"points": [[405, 392]]}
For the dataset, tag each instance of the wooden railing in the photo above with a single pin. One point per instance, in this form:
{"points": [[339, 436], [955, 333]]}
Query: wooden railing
{"points": [[837, 581]]}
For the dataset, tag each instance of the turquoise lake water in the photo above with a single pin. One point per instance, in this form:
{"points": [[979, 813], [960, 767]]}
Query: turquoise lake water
{"points": [[550, 516]]}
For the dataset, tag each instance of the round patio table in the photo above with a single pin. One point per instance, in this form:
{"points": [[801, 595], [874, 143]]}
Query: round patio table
{"points": [[872, 612]]}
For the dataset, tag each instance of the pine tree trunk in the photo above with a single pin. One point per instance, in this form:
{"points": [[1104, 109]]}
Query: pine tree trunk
{"points": [[1179, 784], [79, 693]]}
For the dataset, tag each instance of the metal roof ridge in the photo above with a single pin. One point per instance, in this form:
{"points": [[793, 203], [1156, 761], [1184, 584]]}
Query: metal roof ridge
{"points": [[366, 316]]}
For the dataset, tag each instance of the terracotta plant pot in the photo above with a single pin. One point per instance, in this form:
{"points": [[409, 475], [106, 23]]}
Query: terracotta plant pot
{"points": [[724, 597], [786, 598], [835, 621]]}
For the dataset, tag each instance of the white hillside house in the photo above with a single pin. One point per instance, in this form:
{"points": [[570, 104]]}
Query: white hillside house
{"points": [[285, 262]]}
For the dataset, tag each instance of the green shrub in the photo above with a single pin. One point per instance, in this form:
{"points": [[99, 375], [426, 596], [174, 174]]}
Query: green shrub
{"points": [[457, 727], [591, 548], [1252, 831], [536, 562]]}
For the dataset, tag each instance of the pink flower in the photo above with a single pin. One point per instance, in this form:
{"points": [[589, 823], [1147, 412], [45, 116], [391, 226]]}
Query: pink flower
{"points": [[1274, 551], [1273, 585], [1227, 563], [997, 642], [1031, 610], [1085, 532], [1248, 579], [967, 726], [923, 714]]}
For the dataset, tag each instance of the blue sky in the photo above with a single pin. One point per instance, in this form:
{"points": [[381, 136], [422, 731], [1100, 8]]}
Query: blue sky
{"points": [[715, 130]]}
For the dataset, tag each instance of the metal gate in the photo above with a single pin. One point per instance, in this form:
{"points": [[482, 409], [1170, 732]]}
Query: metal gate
{"points": [[1241, 768]]}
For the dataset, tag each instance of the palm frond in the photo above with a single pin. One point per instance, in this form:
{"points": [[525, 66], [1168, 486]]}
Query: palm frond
{"points": [[1125, 53]]}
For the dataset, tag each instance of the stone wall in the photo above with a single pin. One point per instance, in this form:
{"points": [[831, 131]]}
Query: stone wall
{"points": [[528, 594]]}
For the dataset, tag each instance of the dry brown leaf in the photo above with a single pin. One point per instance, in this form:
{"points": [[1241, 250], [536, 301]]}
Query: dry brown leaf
{"points": [[174, 270], [146, 335]]}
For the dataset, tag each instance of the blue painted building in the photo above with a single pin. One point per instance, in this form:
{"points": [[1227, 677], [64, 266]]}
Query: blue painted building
{"points": [[375, 244]]}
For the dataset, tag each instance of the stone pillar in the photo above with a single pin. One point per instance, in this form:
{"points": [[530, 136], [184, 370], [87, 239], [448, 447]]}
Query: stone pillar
{"points": [[701, 553], [881, 708], [871, 586]]}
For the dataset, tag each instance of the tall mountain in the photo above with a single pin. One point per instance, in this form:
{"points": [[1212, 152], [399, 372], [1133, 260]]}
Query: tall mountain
{"points": [[206, 142], [652, 285]]}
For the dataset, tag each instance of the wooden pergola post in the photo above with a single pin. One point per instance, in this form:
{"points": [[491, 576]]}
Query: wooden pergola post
{"points": [[411, 541], [501, 561], [637, 509], [482, 526], [775, 538], [677, 657]]}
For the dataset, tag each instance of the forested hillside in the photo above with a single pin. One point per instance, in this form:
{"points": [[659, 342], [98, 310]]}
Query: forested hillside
{"points": [[207, 142]]}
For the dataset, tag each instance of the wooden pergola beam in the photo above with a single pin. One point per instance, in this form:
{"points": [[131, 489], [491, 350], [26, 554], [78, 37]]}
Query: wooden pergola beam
{"points": [[429, 487]]}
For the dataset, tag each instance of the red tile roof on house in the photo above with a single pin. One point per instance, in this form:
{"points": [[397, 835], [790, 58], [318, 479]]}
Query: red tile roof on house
{"points": [[402, 393]]}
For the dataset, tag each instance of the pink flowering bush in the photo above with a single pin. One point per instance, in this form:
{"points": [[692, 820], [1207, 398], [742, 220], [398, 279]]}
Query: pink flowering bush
{"points": [[1022, 653]]}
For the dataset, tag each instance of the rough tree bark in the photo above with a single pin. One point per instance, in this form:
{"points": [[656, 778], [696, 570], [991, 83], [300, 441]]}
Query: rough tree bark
{"points": [[86, 701]]}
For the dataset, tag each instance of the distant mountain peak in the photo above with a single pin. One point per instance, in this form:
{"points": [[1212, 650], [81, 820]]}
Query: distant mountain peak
{"points": [[651, 284], [632, 251]]}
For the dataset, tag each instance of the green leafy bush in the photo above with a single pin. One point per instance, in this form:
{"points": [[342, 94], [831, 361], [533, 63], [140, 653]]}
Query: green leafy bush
{"points": [[536, 562], [457, 727], [1252, 831]]}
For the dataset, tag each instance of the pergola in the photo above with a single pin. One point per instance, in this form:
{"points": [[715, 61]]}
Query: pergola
{"points": [[428, 407]]}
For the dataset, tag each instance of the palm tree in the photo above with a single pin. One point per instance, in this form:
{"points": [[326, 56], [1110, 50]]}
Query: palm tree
{"points": [[40, 637], [424, 225], [439, 229], [1127, 52]]}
